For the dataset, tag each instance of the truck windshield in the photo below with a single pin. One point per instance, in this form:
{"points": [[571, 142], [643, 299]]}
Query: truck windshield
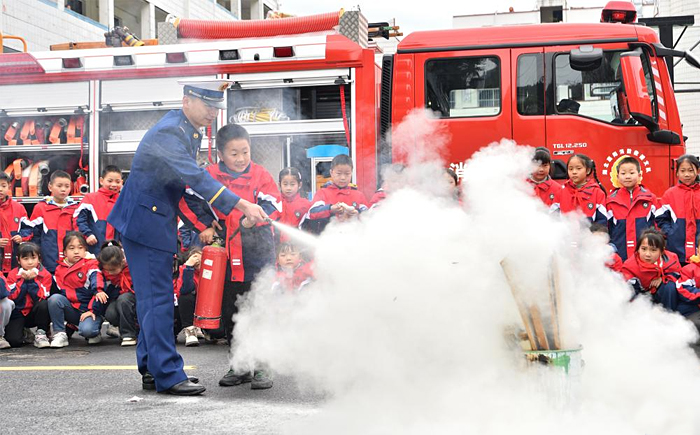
{"points": [[597, 94]]}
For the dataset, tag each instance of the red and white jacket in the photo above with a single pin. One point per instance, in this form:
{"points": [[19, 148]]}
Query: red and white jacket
{"points": [[80, 283], [12, 214], [549, 191], [26, 293], [680, 214], [589, 199], [301, 276], [319, 215], [640, 274]]}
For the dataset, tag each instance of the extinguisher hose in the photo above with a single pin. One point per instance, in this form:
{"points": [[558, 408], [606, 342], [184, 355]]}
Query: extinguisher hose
{"points": [[208, 29], [345, 115]]}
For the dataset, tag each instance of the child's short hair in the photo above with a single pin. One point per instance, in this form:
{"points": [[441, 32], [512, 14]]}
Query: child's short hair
{"points": [[285, 247], [598, 228], [542, 156], [654, 238], [290, 171], [230, 132], [111, 254], [627, 160], [109, 169], [28, 249], [72, 235], [341, 159], [58, 174], [5, 177]]}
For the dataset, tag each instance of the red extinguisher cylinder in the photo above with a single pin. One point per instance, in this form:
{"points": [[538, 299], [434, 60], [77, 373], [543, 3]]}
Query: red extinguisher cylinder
{"points": [[207, 311]]}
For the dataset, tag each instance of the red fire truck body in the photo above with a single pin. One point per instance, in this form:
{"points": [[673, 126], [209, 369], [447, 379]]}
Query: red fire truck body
{"points": [[517, 82]]}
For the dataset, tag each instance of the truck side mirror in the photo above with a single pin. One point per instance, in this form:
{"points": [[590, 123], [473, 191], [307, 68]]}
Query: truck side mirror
{"points": [[636, 89], [586, 58], [691, 59]]}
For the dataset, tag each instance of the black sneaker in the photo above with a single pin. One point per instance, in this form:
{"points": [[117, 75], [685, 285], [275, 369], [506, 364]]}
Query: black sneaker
{"points": [[231, 379], [261, 381]]}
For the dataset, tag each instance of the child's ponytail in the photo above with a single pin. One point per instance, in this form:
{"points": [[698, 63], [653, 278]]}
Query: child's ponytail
{"points": [[594, 172], [111, 254]]}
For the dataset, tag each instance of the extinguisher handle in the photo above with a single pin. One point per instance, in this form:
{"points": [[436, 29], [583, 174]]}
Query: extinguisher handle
{"points": [[217, 241]]}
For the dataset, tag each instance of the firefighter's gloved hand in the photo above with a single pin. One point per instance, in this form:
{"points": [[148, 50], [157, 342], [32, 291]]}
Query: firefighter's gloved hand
{"points": [[253, 212]]}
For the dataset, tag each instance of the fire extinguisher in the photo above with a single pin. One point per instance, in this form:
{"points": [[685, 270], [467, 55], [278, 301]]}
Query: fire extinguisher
{"points": [[207, 312]]}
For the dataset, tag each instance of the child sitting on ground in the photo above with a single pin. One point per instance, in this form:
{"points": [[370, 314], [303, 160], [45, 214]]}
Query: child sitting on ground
{"points": [[29, 286], [121, 308], [186, 295], [338, 198], [91, 215], [81, 299], [653, 270], [52, 218]]}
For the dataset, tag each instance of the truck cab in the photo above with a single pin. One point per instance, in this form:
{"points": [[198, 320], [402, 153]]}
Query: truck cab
{"points": [[598, 89]]}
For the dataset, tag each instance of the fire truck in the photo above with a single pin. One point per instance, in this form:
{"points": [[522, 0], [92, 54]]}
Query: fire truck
{"points": [[308, 88]]}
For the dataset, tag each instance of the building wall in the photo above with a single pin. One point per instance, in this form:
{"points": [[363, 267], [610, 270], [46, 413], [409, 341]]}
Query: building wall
{"points": [[688, 103]]}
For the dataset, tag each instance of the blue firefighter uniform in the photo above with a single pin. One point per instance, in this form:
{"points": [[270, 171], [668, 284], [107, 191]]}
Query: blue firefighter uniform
{"points": [[146, 216]]}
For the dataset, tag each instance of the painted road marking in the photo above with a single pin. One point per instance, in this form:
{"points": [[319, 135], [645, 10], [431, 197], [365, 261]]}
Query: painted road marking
{"points": [[42, 368]]}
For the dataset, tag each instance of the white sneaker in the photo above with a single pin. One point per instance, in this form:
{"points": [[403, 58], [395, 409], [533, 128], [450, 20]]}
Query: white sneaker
{"points": [[200, 333], [60, 339], [28, 336], [128, 341], [112, 331], [4, 344], [191, 336], [95, 340], [41, 341]]}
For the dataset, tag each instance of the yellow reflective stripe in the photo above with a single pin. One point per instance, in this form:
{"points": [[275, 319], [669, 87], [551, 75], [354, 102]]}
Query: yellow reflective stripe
{"points": [[211, 201]]}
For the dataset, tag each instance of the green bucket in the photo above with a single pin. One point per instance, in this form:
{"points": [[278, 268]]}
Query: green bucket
{"points": [[567, 359]]}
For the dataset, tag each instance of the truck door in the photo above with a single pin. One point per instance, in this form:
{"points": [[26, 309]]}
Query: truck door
{"points": [[528, 82], [588, 113], [470, 93]]}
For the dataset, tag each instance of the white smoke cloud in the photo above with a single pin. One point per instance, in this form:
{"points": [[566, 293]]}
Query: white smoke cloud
{"points": [[405, 324]]}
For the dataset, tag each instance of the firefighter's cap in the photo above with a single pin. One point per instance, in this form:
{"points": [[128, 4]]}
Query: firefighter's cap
{"points": [[211, 91]]}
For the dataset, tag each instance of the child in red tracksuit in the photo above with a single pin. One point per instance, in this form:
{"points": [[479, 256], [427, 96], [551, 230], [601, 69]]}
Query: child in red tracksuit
{"points": [[12, 214], [631, 208], [680, 207], [338, 198], [250, 246], [582, 191], [52, 218], [29, 286], [654, 270], [293, 273], [121, 308], [548, 190], [391, 180], [294, 206], [688, 285], [81, 299], [91, 215], [186, 295]]}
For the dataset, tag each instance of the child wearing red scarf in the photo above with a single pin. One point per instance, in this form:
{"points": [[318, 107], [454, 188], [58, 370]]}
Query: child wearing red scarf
{"points": [[653, 270], [12, 214], [91, 215], [681, 208], [121, 308], [582, 191], [548, 190]]}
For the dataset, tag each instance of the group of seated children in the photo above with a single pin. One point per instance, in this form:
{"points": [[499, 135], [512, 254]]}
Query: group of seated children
{"points": [[62, 270], [654, 239]]}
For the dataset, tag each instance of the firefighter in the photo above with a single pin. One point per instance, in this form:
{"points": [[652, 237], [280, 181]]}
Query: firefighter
{"points": [[145, 215]]}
